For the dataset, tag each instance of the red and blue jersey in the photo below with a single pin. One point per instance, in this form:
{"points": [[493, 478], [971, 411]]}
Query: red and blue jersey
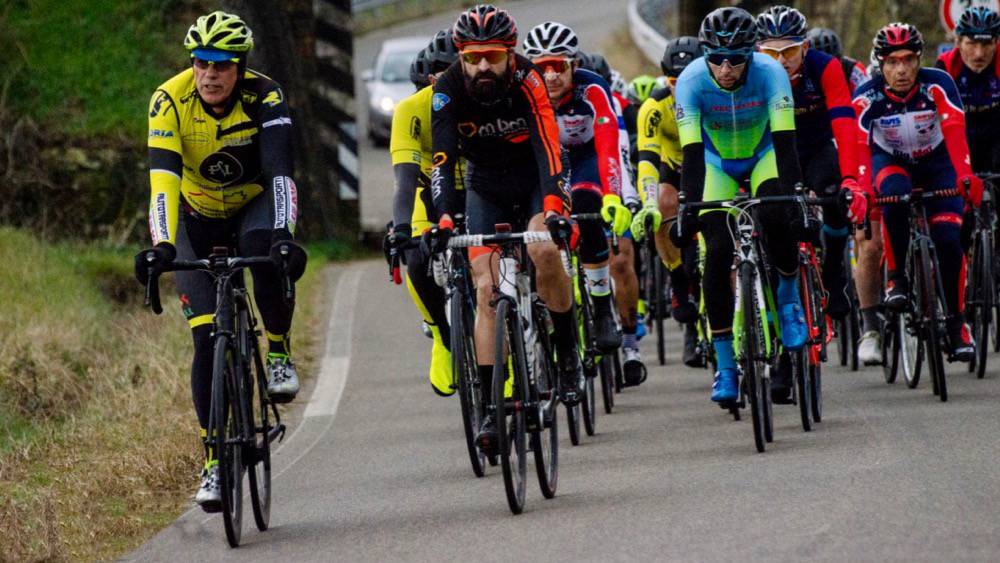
{"points": [[980, 93], [588, 126], [911, 128], [823, 110]]}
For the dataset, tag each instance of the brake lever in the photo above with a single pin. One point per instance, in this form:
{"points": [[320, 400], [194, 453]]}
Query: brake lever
{"points": [[152, 298]]}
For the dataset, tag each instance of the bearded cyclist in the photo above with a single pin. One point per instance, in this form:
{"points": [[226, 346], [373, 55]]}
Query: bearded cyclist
{"points": [[413, 211], [974, 66], [912, 125], [588, 129], [736, 119], [658, 178], [492, 104], [220, 153]]}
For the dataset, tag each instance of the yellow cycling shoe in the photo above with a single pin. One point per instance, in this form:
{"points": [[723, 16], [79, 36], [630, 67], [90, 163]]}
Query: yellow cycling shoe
{"points": [[440, 373]]}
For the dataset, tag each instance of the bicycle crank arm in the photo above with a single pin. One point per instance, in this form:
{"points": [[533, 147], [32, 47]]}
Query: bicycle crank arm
{"points": [[278, 432]]}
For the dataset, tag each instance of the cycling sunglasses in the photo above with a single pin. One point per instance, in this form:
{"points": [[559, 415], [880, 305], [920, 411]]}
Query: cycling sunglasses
{"points": [[735, 58], [492, 56], [788, 52], [557, 65], [221, 66]]}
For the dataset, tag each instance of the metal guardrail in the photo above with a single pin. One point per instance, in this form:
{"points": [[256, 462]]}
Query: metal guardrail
{"points": [[365, 5], [650, 41]]}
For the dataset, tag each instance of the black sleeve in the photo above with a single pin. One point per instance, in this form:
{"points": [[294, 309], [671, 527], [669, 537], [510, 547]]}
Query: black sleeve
{"points": [[407, 175], [787, 158], [940, 64], [276, 157], [444, 132], [693, 171]]}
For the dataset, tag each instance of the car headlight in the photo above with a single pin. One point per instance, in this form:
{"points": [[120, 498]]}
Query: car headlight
{"points": [[386, 104]]}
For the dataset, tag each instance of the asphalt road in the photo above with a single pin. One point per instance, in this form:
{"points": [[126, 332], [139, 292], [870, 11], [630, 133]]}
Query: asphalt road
{"points": [[593, 21], [890, 474]]}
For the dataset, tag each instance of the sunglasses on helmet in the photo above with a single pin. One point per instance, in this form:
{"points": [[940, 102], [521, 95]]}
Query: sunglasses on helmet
{"points": [[492, 56]]}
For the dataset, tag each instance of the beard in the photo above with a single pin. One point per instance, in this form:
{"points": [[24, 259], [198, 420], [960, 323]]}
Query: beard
{"points": [[486, 87]]}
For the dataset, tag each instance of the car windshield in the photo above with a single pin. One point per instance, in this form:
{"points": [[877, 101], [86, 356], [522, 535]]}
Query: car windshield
{"points": [[396, 66]]}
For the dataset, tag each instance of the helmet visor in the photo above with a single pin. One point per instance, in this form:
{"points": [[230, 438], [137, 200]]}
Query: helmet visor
{"points": [[214, 55]]}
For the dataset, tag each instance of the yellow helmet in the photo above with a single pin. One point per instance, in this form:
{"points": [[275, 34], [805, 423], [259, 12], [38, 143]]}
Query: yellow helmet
{"points": [[219, 31]]}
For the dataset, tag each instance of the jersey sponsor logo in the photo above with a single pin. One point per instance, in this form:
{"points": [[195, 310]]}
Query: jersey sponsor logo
{"points": [[532, 80], [273, 98], [159, 104], [653, 122], [515, 130], [439, 159], [159, 219], [679, 113], [439, 100], [221, 168], [248, 96], [467, 129], [160, 134], [286, 203], [415, 127], [196, 138], [237, 142]]}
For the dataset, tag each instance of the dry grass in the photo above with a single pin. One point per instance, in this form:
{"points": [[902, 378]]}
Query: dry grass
{"points": [[98, 442]]}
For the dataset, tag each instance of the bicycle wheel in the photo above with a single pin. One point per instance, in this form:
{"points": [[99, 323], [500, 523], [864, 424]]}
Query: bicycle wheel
{"points": [[573, 424], [911, 348], [464, 370], [510, 417], [660, 307], [545, 424], [803, 392], [588, 405], [816, 391], [619, 376], [226, 422], [933, 329], [750, 353], [843, 341], [983, 313], [259, 472], [607, 373], [890, 350]]}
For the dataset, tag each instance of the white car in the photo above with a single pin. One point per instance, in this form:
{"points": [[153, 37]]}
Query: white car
{"points": [[389, 82]]}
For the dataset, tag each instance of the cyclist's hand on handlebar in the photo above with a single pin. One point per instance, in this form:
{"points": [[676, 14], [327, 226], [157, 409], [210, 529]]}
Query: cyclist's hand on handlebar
{"points": [[853, 201], [163, 254], [649, 212], [615, 214], [684, 229], [399, 236], [971, 188], [563, 230], [435, 239], [286, 254]]}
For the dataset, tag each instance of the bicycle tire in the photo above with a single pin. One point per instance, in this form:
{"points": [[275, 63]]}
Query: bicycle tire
{"points": [[803, 395], [545, 436], [890, 350], [226, 432], [619, 377], [749, 355], [511, 432], [259, 472], [588, 406], [985, 286], [464, 369], [659, 274], [911, 347], [843, 339], [573, 423], [932, 304], [607, 373]]}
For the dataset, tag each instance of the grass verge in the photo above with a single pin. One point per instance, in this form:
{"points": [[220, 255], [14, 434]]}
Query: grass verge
{"points": [[98, 439], [386, 16]]}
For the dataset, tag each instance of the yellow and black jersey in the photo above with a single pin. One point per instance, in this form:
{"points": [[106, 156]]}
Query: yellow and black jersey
{"points": [[410, 143], [658, 143], [216, 163]]}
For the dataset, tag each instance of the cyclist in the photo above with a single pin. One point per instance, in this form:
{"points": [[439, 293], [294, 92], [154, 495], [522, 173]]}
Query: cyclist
{"points": [[912, 126], [973, 64], [220, 153], [588, 128], [658, 178], [493, 103], [827, 41], [413, 212], [736, 119]]}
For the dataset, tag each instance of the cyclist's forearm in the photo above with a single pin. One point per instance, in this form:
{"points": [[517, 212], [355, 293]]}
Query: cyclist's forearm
{"points": [[693, 173], [649, 175], [405, 193], [276, 166], [165, 187], [787, 158]]}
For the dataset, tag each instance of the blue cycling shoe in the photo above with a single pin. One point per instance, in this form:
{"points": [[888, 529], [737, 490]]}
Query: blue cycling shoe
{"points": [[793, 327], [726, 387], [640, 327]]}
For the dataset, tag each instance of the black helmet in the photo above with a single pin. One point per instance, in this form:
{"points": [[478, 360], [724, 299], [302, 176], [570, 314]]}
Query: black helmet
{"points": [[728, 28], [825, 40], [897, 37], [781, 22], [484, 23], [596, 63], [679, 53], [978, 22], [441, 51], [420, 70]]}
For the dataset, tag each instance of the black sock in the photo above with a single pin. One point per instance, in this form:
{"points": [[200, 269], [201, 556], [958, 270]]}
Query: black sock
{"points": [[565, 334], [486, 383], [869, 319]]}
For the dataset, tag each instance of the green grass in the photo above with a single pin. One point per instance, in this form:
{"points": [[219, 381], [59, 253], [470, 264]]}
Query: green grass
{"points": [[89, 66]]}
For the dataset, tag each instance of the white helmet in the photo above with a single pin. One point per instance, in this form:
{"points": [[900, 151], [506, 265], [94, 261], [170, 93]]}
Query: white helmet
{"points": [[618, 84], [550, 39]]}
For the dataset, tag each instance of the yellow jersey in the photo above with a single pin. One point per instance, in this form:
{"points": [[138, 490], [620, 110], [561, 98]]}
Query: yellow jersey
{"points": [[658, 143]]}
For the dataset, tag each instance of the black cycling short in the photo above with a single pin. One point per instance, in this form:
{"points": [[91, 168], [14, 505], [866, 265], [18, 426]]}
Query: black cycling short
{"points": [[500, 196]]}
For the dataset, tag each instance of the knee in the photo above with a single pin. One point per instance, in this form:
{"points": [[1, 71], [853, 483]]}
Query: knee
{"points": [[545, 257], [667, 200], [484, 295], [202, 336]]}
